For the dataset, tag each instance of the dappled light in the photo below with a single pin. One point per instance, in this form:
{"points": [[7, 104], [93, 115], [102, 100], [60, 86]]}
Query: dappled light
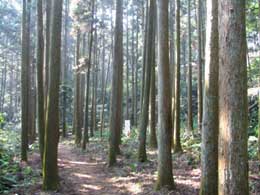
{"points": [[83, 176]]}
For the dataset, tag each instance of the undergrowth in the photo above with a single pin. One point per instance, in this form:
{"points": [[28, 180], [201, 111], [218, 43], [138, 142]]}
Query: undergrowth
{"points": [[13, 173]]}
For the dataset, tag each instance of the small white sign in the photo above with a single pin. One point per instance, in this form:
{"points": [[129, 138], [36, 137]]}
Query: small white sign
{"points": [[127, 128]]}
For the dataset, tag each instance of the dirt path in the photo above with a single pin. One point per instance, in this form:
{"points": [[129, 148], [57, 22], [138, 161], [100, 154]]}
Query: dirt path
{"points": [[85, 173]]}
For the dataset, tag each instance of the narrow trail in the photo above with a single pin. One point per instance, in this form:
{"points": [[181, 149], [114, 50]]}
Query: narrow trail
{"points": [[84, 173]]}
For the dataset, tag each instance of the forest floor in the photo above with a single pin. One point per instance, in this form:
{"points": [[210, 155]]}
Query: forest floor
{"points": [[87, 173]]}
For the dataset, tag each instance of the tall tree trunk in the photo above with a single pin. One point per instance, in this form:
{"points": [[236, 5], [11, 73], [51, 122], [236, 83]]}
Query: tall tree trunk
{"points": [[165, 176], [136, 71], [104, 95], [199, 64], [259, 125], [11, 87], [145, 37], [232, 151], [93, 117], [127, 68], [3, 84], [47, 49], [3, 80], [81, 102], [25, 78], [259, 91], [77, 112], [86, 135], [133, 110], [32, 104], [116, 101], [142, 157], [172, 56], [65, 66], [94, 86], [103, 80], [39, 62], [190, 111], [176, 133], [74, 95], [50, 164], [209, 147], [153, 137]]}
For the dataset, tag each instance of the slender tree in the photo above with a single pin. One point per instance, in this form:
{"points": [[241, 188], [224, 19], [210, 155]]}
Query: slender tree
{"points": [[146, 93], [116, 101], [153, 137], [47, 49], [137, 91], [127, 67], [259, 93], [50, 164], [133, 68], [232, 150], [65, 69], [176, 133], [78, 133], [190, 111], [199, 64], [209, 147], [25, 78], [40, 63], [172, 36], [86, 135], [145, 19], [165, 176], [93, 126]]}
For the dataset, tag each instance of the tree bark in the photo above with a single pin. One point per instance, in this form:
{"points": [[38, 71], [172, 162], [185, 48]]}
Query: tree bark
{"points": [[153, 137], [127, 68], [78, 133], [176, 134], [86, 124], [25, 79], [145, 46], [40, 63], [116, 101], [165, 176], [47, 50], [259, 92], [65, 71], [133, 111], [232, 151], [50, 164], [142, 157], [199, 64], [209, 146], [190, 111]]}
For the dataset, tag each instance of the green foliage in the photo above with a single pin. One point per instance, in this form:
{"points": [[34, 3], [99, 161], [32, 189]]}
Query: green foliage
{"points": [[9, 165], [252, 147], [2, 120], [253, 123], [68, 92], [254, 72], [12, 173]]}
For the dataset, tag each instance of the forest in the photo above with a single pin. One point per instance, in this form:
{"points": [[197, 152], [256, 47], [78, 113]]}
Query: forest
{"points": [[129, 97]]}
